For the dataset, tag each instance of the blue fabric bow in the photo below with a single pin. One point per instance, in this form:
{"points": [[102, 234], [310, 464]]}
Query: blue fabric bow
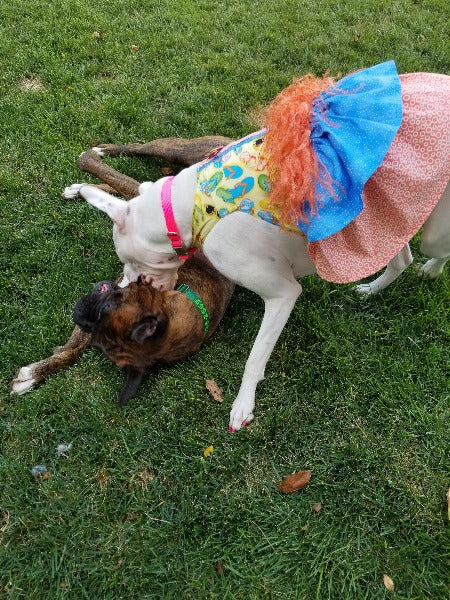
{"points": [[351, 139]]}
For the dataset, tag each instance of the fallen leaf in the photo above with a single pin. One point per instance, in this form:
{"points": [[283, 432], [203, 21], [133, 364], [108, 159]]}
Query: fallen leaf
{"points": [[214, 390], [316, 508], [293, 483], [208, 451], [145, 477], [102, 477], [219, 567], [388, 583], [356, 38], [135, 48]]}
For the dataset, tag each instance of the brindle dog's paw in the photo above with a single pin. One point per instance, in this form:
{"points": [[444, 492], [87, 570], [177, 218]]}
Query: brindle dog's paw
{"points": [[23, 382], [99, 150], [107, 150]]}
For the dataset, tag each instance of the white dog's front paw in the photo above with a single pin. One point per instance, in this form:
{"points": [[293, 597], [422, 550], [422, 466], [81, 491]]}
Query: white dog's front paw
{"points": [[432, 268], [23, 382], [364, 289], [241, 413], [72, 191]]}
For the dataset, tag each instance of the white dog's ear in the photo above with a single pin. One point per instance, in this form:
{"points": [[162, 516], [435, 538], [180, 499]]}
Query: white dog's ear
{"points": [[115, 208]]}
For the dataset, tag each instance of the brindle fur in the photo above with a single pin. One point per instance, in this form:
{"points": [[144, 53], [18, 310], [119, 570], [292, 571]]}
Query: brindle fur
{"points": [[180, 329], [184, 320]]}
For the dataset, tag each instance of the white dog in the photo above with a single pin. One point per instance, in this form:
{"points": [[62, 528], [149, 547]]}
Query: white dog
{"points": [[255, 253]]}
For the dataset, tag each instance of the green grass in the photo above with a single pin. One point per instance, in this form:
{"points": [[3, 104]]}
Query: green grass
{"points": [[357, 391]]}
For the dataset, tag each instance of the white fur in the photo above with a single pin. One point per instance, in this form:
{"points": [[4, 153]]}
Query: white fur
{"points": [[24, 381], [251, 252]]}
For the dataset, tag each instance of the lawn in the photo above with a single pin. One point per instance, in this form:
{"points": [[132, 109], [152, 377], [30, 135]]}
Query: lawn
{"points": [[357, 390]]}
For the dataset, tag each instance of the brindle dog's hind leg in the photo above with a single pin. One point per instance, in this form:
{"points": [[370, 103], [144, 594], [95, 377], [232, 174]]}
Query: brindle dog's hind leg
{"points": [[177, 151]]}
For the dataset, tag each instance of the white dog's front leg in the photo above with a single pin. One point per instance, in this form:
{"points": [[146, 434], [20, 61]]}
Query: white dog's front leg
{"points": [[265, 260], [276, 313]]}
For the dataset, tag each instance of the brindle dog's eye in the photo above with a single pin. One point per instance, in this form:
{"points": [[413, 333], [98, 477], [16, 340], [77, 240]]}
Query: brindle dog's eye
{"points": [[107, 307]]}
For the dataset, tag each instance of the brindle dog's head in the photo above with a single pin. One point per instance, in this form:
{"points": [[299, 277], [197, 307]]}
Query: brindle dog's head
{"points": [[128, 325]]}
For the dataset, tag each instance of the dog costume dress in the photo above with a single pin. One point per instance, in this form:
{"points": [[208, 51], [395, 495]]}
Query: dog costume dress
{"points": [[380, 147]]}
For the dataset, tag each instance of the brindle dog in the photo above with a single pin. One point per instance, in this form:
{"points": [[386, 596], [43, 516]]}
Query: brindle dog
{"points": [[137, 327], [123, 332]]}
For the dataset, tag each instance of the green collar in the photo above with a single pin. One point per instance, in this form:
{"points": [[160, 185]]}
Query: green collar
{"points": [[186, 290]]}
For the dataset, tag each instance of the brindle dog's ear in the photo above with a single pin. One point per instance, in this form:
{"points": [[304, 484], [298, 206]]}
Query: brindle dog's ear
{"points": [[147, 328], [131, 386]]}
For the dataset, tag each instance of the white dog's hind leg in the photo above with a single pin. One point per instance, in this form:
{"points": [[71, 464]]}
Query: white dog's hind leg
{"points": [[436, 237], [393, 270], [433, 267]]}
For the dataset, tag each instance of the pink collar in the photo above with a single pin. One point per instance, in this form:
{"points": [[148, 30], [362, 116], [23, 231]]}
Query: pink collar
{"points": [[172, 230]]}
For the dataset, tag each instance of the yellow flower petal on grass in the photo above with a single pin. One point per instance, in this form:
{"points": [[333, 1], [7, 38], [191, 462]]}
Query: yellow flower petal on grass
{"points": [[208, 451]]}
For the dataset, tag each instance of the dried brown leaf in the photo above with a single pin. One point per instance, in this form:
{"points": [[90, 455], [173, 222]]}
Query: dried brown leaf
{"points": [[293, 483], [219, 567], [214, 390], [388, 583], [356, 38], [102, 477], [316, 508]]}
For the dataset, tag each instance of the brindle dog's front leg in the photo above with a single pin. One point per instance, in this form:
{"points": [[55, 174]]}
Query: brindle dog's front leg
{"points": [[63, 356]]}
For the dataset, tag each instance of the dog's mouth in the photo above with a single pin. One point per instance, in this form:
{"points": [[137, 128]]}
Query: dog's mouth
{"points": [[150, 281]]}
